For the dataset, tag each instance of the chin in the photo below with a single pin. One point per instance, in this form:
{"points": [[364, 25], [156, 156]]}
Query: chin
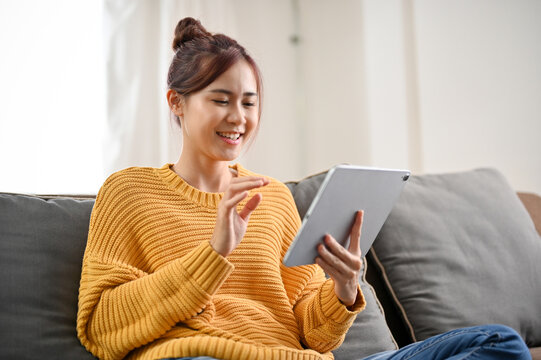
{"points": [[227, 157]]}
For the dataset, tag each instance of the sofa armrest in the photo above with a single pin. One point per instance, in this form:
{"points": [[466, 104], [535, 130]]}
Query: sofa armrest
{"points": [[532, 203]]}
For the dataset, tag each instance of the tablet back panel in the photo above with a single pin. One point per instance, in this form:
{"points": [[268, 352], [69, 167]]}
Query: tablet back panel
{"points": [[345, 190]]}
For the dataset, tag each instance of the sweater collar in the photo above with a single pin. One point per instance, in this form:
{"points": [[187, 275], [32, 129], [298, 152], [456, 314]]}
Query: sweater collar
{"points": [[178, 184]]}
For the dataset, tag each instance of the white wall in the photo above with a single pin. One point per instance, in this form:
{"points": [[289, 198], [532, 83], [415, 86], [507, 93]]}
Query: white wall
{"points": [[311, 56], [479, 66], [429, 85], [389, 97], [265, 29], [433, 86]]}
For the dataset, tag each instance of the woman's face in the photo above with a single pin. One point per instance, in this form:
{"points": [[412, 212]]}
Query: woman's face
{"points": [[218, 120]]}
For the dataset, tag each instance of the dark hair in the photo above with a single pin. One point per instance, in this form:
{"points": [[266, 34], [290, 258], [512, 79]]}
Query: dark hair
{"points": [[201, 57]]}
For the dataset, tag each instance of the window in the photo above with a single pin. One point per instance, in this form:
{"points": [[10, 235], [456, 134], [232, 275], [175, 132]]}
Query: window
{"points": [[52, 96]]}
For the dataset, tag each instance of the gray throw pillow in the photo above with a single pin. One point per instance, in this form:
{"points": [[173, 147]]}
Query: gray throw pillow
{"points": [[369, 333], [41, 250], [459, 250]]}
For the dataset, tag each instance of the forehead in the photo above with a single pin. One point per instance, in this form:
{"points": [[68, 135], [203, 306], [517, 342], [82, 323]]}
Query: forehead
{"points": [[239, 78]]}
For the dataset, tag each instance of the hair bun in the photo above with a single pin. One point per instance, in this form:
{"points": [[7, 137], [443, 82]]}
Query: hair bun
{"points": [[188, 29]]}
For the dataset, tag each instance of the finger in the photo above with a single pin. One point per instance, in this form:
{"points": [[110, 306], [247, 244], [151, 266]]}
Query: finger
{"points": [[345, 289], [328, 268], [250, 206], [355, 235], [245, 185], [351, 260], [248, 178], [234, 200], [336, 249], [238, 189], [245, 179], [333, 260]]}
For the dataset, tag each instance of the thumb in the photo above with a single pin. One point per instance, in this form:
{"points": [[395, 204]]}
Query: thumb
{"points": [[355, 235]]}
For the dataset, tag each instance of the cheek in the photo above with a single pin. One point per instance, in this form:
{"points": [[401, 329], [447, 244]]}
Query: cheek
{"points": [[253, 119], [254, 127]]}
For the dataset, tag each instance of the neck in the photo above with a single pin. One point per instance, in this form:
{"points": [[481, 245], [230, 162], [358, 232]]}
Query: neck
{"points": [[207, 176]]}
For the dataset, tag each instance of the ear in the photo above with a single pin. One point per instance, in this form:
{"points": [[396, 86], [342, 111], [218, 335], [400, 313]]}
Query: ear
{"points": [[176, 102]]}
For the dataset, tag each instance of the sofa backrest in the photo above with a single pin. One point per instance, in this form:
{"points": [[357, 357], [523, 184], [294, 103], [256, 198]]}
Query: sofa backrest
{"points": [[42, 241]]}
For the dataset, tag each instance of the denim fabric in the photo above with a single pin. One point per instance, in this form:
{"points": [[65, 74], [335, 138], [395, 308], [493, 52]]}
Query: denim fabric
{"points": [[487, 342], [495, 342]]}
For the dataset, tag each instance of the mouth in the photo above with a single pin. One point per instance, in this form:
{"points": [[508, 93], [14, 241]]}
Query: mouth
{"points": [[229, 135]]}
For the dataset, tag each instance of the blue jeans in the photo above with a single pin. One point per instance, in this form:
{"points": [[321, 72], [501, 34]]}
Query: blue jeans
{"points": [[480, 342], [494, 342]]}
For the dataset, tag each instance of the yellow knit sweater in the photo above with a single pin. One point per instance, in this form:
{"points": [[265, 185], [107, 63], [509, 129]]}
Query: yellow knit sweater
{"points": [[152, 286]]}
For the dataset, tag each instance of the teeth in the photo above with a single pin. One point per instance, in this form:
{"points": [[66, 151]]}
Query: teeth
{"points": [[232, 136]]}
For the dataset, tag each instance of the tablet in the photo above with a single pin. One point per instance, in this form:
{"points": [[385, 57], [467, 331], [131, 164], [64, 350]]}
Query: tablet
{"points": [[345, 190]]}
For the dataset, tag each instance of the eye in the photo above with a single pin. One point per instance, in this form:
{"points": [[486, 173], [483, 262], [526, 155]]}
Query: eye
{"points": [[248, 104], [221, 102]]}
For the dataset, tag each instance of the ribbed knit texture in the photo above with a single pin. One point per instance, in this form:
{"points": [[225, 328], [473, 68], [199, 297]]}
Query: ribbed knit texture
{"points": [[152, 286]]}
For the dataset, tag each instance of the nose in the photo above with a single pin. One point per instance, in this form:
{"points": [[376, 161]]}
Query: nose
{"points": [[236, 115]]}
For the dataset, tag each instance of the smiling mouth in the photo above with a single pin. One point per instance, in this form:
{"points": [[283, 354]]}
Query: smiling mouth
{"points": [[229, 135]]}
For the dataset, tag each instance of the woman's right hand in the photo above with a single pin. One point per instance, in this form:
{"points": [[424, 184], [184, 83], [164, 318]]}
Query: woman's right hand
{"points": [[230, 224]]}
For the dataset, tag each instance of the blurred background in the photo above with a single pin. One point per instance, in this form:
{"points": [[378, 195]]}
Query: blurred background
{"points": [[428, 85]]}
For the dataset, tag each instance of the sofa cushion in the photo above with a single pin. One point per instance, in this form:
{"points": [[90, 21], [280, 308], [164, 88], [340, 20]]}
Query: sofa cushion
{"points": [[369, 333], [460, 249], [41, 250], [40, 265]]}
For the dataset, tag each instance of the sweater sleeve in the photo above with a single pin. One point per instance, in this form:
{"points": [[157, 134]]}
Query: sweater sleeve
{"points": [[122, 307], [322, 319]]}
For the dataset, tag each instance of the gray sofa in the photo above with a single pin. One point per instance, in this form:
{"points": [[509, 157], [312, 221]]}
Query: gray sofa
{"points": [[458, 249]]}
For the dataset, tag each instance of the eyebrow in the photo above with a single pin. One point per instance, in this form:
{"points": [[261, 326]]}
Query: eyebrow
{"points": [[228, 92]]}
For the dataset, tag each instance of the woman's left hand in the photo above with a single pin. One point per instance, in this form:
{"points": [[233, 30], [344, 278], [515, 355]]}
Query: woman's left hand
{"points": [[343, 265]]}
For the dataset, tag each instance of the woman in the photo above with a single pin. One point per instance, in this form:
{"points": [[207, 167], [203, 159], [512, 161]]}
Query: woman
{"points": [[185, 260]]}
